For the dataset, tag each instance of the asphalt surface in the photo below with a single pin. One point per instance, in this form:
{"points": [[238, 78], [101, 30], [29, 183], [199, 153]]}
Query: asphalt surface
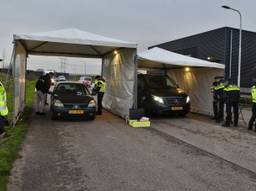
{"points": [[107, 155]]}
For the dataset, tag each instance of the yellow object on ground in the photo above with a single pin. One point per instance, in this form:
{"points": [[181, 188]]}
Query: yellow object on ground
{"points": [[139, 124]]}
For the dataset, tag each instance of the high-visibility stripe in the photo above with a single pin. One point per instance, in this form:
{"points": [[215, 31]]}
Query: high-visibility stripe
{"points": [[232, 88], [253, 93]]}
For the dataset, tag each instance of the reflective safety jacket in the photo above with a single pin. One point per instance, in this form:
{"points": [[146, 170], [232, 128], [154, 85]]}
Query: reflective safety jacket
{"points": [[220, 86], [232, 93], [218, 91], [3, 101], [100, 85], [253, 93]]}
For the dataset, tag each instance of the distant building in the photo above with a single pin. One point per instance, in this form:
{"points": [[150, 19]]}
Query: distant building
{"points": [[220, 45]]}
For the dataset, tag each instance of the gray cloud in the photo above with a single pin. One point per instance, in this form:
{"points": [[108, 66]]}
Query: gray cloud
{"points": [[146, 22]]}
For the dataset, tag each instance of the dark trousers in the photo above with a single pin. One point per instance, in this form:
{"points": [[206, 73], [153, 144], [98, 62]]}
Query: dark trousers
{"points": [[220, 115], [2, 123], [100, 97], [253, 117], [229, 107], [215, 108], [218, 109]]}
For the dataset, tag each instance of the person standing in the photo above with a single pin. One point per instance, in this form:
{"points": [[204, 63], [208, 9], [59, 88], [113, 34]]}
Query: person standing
{"points": [[218, 98], [232, 97], [3, 109], [41, 92], [215, 101], [100, 89], [219, 89], [253, 117], [47, 84]]}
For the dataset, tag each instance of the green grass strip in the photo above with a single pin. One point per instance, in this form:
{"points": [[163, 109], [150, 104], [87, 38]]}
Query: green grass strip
{"points": [[10, 146]]}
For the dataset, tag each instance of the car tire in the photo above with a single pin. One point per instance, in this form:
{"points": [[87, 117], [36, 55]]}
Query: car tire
{"points": [[54, 116]]}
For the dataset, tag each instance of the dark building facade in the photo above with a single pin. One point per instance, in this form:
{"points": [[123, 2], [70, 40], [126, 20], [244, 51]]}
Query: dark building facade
{"points": [[221, 45]]}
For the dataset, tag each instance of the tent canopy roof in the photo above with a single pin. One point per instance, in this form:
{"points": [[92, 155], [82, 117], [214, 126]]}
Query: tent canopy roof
{"points": [[68, 42], [160, 58]]}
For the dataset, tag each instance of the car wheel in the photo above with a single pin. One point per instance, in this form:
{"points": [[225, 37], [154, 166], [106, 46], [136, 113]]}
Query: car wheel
{"points": [[54, 116]]}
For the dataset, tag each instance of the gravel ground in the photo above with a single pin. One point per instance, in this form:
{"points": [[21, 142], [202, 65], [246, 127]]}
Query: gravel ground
{"points": [[237, 145], [107, 155]]}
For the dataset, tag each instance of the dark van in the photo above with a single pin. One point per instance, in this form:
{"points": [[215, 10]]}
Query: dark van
{"points": [[159, 94]]}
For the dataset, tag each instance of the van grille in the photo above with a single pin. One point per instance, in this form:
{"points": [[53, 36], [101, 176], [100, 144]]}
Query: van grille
{"points": [[174, 101]]}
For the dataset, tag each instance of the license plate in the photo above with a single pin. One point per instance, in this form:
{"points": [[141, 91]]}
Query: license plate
{"points": [[177, 108], [76, 112]]}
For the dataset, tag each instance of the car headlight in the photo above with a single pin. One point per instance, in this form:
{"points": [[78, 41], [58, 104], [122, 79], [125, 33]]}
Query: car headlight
{"points": [[58, 103], [158, 99], [188, 99], [92, 104]]}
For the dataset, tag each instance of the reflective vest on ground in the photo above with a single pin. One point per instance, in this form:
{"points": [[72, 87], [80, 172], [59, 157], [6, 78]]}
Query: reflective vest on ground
{"points": [[101, 85], [253, 93], [3, 101]]}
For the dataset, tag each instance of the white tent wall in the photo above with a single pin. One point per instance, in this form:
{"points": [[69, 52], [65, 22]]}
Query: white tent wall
{"points": [[19, 72], [119, 73], [197, 84]]}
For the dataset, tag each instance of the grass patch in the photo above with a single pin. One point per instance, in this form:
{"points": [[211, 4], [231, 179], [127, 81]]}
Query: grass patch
{"points": [[10, 146]]}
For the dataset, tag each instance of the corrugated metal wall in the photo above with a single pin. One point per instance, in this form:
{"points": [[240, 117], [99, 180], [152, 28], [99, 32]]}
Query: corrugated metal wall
{"points": [[215, 45]]}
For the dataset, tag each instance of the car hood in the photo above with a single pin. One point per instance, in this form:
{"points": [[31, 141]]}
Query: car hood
{"points": [[73, 99], [167, 92]]}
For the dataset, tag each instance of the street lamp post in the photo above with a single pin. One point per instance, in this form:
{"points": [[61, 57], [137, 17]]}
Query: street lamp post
{"points": [[240, 44]]}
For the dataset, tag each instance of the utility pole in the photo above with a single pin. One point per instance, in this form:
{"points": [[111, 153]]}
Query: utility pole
{"points": [[4, 58], [63, 65], [85, 68]]}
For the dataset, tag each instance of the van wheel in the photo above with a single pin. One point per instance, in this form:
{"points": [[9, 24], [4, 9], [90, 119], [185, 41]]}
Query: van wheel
{"points": [[54, 116], [92, 118]]}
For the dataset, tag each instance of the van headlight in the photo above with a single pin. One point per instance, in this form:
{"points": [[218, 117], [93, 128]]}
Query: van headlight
{"points": [[58, 103], [158, 99], [92, 104], [188, 99]]}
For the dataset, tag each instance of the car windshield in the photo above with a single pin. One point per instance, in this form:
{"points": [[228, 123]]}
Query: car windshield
{"points": [[159, 82], [71, 89]]}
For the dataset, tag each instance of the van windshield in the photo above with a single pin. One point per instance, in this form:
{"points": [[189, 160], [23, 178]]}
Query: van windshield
{"points": [[160, 82]]}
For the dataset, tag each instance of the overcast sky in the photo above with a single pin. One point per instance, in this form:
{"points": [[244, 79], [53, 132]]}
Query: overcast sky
{"points": [[146, 22]]}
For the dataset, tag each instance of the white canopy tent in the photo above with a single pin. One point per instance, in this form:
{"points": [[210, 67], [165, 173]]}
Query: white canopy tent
{"points": [[193, 75], [118, 66]]}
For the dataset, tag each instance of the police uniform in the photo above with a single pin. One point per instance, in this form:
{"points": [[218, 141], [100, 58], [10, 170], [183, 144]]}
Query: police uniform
{"points": [[253, 94], [232, 97], [215, 100], [219, 91], [100, 87], [3, 108]]}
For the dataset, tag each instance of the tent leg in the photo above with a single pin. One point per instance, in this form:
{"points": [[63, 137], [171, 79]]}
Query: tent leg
{"points": [[135, 95], [13, 59]]}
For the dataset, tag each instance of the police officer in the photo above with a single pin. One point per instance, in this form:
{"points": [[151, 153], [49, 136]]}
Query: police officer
{"points": [[100, 88], [232, 97], [3, 109], [219, 91], [253, 94], [218, 98], [215, 100]]}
